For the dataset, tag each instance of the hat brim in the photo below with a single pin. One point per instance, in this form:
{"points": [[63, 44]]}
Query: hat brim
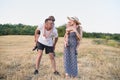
{"points": [[70, 18]]}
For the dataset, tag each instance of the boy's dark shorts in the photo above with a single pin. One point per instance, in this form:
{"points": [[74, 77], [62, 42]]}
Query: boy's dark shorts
{"points": [[48, 49]]}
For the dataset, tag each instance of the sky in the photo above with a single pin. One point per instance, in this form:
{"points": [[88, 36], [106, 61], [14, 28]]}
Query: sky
{"points": [[95, 15]]}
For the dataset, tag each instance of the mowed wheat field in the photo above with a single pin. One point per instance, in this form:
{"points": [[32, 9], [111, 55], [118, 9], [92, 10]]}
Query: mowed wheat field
{"points": [[95, 62]]}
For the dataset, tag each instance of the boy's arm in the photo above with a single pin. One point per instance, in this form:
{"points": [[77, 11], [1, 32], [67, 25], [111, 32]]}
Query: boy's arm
{"points": [[36, 34], [55, 41]]}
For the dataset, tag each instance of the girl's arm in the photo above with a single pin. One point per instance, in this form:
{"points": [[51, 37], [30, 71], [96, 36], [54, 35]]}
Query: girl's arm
{"points": [[77, 34], [66, 39]]}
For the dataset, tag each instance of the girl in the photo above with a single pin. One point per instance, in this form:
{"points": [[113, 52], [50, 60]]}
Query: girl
{"points": [[72, 38]]}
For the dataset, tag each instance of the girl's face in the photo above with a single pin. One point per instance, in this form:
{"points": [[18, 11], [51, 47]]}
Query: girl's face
{"points": [[71, 22]]}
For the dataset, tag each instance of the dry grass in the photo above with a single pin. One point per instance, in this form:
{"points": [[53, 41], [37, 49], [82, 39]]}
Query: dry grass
{"points": [[95, 62]]}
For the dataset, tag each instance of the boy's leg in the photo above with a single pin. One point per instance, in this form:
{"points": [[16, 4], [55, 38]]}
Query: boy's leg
{"points": [[49, 50], [39, 56], [51, 55], [53, 62]]}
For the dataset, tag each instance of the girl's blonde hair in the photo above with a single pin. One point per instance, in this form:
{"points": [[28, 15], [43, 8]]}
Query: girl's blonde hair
{"points": [[79, 29]]}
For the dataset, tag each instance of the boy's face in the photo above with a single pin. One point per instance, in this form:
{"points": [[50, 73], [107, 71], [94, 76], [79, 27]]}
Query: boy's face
{"points": [[49, 24]]}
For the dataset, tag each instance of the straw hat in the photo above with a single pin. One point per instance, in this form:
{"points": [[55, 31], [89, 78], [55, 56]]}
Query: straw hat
{"points": [[74, 19]]}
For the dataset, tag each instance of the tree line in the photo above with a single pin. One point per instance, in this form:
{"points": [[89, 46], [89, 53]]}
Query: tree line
{"points": [[21, 29], [16, 29]]}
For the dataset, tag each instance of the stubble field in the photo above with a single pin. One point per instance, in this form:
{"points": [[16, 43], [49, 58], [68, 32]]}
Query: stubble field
{"points": [[95, 62]]}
